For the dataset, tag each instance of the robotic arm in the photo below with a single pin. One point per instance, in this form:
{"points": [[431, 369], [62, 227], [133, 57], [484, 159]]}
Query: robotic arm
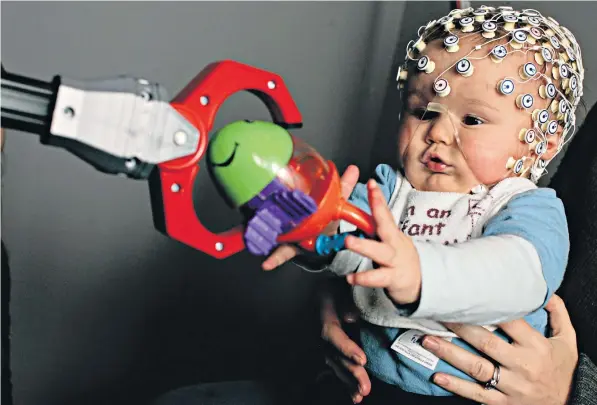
{"points": [[127, 126], [121, 125]]}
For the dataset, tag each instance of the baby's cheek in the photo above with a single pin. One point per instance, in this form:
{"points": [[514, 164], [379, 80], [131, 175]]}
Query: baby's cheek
{"points": [[488, 162], [404, 138]]}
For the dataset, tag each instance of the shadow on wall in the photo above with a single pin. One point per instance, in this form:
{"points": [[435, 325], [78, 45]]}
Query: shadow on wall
{"points": [[202, 332]]}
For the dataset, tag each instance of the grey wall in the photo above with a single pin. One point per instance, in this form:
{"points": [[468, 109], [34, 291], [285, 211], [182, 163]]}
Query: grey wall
{"points": [[105, 309]]}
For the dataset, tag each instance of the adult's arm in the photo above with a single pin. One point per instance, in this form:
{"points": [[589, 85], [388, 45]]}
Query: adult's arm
{"points": [[584, 390]]}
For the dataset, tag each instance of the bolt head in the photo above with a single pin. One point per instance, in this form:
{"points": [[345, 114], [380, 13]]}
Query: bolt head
{"points": [[219, 246], [180, 138], [130, 164], [175, 188], [271, 85], [69, 112], [203, 100]]}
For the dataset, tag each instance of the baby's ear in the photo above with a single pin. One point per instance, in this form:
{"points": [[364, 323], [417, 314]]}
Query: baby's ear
{"points": [[552, 143]]}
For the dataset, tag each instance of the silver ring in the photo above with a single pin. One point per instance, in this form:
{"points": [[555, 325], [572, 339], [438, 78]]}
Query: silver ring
{"points": [[491, 384]]}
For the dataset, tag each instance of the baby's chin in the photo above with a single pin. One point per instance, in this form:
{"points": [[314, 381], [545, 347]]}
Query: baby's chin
{"points": [[440, 182]]}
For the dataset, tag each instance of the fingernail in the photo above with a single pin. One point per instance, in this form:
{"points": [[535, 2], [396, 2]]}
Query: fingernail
{"points": [[357, 359], [430, 343], [440, 379], [350, 278], [350, 318]]}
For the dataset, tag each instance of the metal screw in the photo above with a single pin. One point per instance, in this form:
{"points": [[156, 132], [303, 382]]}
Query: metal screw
{"points": [[219, 246], [130, 164], [203, 100], [69, 112], [180, 138], [175, 188], [271, 85], [145, 95]]}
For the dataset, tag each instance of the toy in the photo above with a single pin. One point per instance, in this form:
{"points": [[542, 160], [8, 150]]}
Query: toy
{"points": [[278, 182], [126, 126]]}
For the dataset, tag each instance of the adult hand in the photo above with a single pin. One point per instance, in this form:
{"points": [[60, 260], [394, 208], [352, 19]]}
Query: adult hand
{"points": [[535, 370], [284, 253], [345, 357]]}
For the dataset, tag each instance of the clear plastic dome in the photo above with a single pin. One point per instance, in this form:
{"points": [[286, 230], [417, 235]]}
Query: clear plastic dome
{"points": [[307, 170]]}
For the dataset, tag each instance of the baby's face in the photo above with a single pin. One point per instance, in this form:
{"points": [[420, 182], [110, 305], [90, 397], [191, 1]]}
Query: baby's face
{"points": [[487, 121]]}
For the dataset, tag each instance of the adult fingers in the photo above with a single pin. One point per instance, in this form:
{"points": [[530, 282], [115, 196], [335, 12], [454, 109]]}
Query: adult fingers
{"points": [[333, 333], [360, 375], [280, 256], [469, 363], [343, 374], [559, 319], [486, 342], [470, 390], [355, 378], [349, 180], [521, 332]]}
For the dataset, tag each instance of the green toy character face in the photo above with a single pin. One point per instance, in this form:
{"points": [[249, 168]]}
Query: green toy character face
{"points": [[245, 156]]}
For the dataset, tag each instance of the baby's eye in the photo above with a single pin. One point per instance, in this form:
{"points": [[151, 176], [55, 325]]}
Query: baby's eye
{"points": [[472, 120]]}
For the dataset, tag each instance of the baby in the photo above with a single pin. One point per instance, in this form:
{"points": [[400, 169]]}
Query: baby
{"points": [[464, 233]]}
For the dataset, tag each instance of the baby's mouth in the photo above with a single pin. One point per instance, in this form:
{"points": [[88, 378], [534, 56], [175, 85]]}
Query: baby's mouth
{"points": [[435, 163]]}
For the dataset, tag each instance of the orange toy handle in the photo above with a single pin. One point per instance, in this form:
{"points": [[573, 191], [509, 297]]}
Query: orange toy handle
{"points": [[356, 216], [349, 213], [332, 207]]}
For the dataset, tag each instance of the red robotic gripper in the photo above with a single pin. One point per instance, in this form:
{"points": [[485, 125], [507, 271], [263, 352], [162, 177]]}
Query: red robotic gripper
{"points": [[171, 186]]}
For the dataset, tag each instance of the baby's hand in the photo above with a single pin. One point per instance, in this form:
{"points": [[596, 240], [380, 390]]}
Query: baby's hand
{"points": [[399, 272], [285, 253]]}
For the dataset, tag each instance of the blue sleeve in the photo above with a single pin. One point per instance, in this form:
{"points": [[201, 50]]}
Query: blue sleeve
{"points": [[537, 216], [385, 177]]}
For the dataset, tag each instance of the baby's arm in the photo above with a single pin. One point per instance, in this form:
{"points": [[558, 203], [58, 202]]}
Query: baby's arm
{"points": [[346, 262], [510, 271]]}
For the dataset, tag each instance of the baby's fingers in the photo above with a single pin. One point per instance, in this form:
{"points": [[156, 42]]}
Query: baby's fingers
{"points": [[374, 278], [280, 256]]}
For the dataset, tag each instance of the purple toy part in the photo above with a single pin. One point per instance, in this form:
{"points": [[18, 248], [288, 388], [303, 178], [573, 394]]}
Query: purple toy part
{"points": [[279, 210], [275, 186]]}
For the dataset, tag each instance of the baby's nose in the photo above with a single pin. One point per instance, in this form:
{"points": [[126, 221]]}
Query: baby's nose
{"points": [[441, 130]]}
